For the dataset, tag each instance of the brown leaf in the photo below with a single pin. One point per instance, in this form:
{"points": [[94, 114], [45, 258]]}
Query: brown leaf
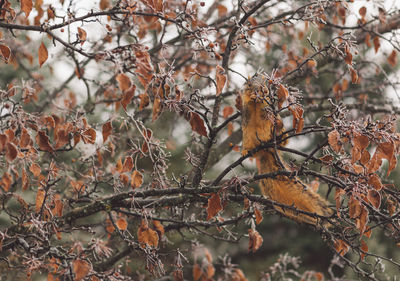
{"points": [[363, 248], [147, 236], [197, 124], [354, 207], [227, 111], [374, 198], [197, 272], [128, 164], [377, 44], [121, 223], [213, 206], [220, 79], [362, 11], [156, 109], [26, 7], [238, 275], [43, 54], [255, 240], [106, 130], [124, 82], [136, 179], [40, 196], [348, 58], [82, 35], [25, 180], [104, 4], [334, 141], [258, 215], [124, 178], [25, 139], [128, 96], [144, 101], [375, 182], [158, 227], [341, 247], [5, 52], [361, 223], [354, 76], [89, 136], [11, 152], [283, 94], [392, 59], [222, 10], [6, 181], [35, 170], [81, 269]]}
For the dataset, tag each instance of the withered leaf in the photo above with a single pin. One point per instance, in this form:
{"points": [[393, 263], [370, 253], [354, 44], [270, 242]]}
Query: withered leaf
{"points": [[258, 215], [197, 124], [196, 272], [255, 240], [5, 52], [147, 236], [6, 181], [124, 82], [25, 180], [374, 198], [128, 164], [25, 139], [392, 59], [128, 96], [136, 179], [40, 196], [363, 248], [89, 136], [122, 224], [26, 7], [227, 111], [43, 142], [81, 269], [354, 207], [220, 79], [158, 227], [377, 43], [43, 54], [35, 170], [213, 206], [106, 130], [82, 35], [283, 94], [334, 141], [11, 152], [341, 247]]}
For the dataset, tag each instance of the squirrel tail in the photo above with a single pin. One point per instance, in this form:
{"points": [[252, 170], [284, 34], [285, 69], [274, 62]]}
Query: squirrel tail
{"points": [[290, 192]]}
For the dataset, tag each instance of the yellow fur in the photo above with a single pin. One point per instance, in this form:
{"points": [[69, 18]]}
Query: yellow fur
{"points": [[258, 126]]}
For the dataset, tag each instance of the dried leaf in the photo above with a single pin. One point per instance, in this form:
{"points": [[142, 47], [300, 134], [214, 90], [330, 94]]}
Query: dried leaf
{"points": [[25, 180], [220, 79], [354, 76], [128, 96], [213, 206], [43, 54], [258, 215], [35, 170], [6, 181], [147, 236], [5, 52], [128, 164], [82, 35], [283, 94], [81, 269], [11, 152], [362, 11], [136, 179], [238, 275], [89, 136], [341, 247], [334, 141], [255, 240], [25, 139], [156, 109], [124, 82], [361, 223], [104, 4], [158, 227], [374, 198], [106, 130], [26, 7], [222, 10], [354, 207], [392, 59], [363, 248], [377, 44], [227, 111], [197, 124], [121, 223], [40, 196]]}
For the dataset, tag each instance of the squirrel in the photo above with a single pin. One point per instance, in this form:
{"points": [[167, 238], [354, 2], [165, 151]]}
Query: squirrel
{"points": [[260, 125]]}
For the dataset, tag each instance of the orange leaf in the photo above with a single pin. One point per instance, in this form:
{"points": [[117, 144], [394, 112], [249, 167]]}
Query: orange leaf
{"points": [[89, 136], [144, 101], [11, 152], [220, 79], [392, 59], [147, 236], [6, 181], [197, 124], [128, 96], [121, 224], [377, 44], [81, 269], [158, 227], [26, 7], [354, 207], [136, 179], [156, 109], [25, 139], [341, 247], [35, 169], [364, 248], [259, 216], [40, 196], [238, 275], [334, 141], [210, 271], [43, 142], [362, 11], [104, 4], [255, 240], [283, 94], [222, 10], [5, 52], [361, 223], [82, 35], [213, 206], [374, 198], [354, 76], [25, 180], [128, 164], [106, 130], [43, 54], [375, 182], [348, 58], [124, 82], [228, 110]]}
